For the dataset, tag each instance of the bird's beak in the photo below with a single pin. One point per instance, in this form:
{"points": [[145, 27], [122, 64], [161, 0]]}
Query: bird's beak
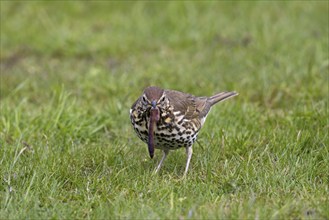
{"points": [[154, 104], [154, 118], [154, 111]]}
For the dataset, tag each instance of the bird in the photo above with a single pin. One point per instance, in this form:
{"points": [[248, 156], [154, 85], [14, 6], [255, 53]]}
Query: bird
{"points": [[169, 119]]}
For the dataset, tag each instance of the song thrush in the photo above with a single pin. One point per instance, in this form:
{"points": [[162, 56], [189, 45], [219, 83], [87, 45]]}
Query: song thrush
{"points": [[168, 119]]}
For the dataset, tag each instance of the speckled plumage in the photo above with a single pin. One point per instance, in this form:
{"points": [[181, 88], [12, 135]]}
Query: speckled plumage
{"points": [[182, 116]]}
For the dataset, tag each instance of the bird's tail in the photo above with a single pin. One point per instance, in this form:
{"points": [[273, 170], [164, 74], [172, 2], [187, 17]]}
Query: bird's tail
{"points": [[221, 97]]}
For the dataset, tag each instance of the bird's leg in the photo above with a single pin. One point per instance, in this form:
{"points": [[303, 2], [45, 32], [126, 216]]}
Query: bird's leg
{"points": [[189, 152], [165, 153]]}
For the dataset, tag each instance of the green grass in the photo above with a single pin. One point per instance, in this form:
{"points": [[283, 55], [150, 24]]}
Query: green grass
{"points": [[70, 72]]}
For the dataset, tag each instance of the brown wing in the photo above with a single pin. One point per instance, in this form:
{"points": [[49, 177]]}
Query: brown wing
{"points": [[190, 106], [203, 106]]}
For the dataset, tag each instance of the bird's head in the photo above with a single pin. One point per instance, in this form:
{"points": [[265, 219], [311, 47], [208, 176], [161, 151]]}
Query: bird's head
{"points": [[153, 98]]}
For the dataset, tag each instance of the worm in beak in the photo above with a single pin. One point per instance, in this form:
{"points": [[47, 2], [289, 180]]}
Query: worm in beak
{"points": [[154, 118]]}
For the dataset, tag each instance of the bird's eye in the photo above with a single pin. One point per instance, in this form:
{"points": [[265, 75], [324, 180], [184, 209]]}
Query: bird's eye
{"points": [[162, 99], [144, 99]]}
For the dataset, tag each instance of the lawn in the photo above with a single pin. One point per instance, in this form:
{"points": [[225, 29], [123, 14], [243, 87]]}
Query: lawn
{"points": [[70, 72]]}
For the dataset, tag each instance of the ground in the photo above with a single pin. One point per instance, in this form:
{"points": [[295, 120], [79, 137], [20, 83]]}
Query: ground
{"points": [[71, 71]]}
